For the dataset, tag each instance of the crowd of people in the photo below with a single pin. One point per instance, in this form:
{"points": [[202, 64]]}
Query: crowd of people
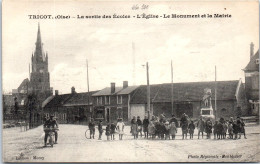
{"points": [[162, 128]]}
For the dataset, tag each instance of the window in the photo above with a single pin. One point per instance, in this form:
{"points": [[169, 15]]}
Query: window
{"points": [[107, 100], [257, 61], [119, 99], [99, 100]]}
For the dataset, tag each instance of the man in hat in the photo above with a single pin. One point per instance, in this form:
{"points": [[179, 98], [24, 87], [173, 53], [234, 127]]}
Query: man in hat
{"points": [[174, 119], [50, 123]]}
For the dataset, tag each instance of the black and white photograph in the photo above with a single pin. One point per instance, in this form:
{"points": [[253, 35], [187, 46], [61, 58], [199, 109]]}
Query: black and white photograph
{"points": [[130, 81]]}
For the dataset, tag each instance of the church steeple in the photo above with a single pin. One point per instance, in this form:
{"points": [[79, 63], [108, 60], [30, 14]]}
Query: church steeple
{"points": [[39, 75], [39, 54]]}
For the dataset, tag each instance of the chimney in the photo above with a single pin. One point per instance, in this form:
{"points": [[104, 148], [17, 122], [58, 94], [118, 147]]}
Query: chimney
{"points": [[73, 90], [251, 49], [125, 84], [113, 87], [56, 92]]}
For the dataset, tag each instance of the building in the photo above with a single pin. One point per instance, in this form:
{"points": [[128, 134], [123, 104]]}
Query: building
{"points": [[252, 81], [33, 91], [70, 108], [187, 98], [113, 102]]}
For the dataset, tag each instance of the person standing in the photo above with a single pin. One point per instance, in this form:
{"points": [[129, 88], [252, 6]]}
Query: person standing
{"points": [[134, 128], [91, 127], [201, 127], [100, 130], [208, 128], [132, 121], [120, 127], [108, 132], [167, 130], [191, 129], [215, 129], [230, 130], [139, 124], [151, 129], [173, 119], [184, 125], [225, 127], [173, 130], [145, 126], [112, 131]]}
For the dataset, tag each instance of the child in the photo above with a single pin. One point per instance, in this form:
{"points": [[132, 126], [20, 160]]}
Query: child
{"points": [[120, 127], [225, 127], [108, 132], [145, 126], [184, 128], [162, 129], [100, 130], [140, 126], [151, 129], [201, 127], [215, 129], [167, 130], [208, 128], [112, 131], [191, 129], [134, 128], [91, 127], [220, 130], [173, 130], [230, 130], [235, 129]]}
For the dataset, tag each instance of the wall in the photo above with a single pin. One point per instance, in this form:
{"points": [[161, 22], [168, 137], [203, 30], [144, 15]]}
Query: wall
{"points": [[137, 110]]}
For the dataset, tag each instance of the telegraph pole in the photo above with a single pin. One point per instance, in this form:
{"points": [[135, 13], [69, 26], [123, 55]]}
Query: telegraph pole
{"points": [[216, 92], [88, 88], [172, 87], [148, 90]]}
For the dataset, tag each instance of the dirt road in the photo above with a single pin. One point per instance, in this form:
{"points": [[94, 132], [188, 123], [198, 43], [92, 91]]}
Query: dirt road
{"points": [[74, 147]]}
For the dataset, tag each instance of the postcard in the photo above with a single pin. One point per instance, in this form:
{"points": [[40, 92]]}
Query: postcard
{"points": [[130, 81]]}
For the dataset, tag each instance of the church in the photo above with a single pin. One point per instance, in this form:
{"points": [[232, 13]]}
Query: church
{"points": [[30, 94]]}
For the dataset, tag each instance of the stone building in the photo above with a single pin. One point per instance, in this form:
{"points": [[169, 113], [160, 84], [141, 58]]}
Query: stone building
{"points": [[187, 98], [75, 108], [113, 102], [252, 81]]}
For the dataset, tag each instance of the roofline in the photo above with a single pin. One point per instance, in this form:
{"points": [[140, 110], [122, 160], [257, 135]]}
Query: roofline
{"points": [[192, 82]]}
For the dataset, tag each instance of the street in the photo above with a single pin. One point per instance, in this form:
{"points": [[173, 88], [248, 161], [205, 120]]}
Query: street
{"points": [[74, 147]]}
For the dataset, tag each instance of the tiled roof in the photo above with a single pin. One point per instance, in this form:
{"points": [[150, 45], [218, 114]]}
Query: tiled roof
{"points": [[192, 91], [252, 66], [107, 91], [45, 102], [80, 99], [127, 90], [58, 100], [68, 99], [24, 84]]}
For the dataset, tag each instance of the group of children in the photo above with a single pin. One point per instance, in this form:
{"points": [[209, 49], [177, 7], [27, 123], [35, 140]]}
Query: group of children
{"points": [[110, 131], [167, 129]]}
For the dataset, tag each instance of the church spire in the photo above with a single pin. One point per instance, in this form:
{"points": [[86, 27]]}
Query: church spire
{"points": [[38, 50]]}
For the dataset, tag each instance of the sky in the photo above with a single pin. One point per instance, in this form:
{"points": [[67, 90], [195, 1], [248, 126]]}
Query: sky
{"points": [[118, 49]]}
